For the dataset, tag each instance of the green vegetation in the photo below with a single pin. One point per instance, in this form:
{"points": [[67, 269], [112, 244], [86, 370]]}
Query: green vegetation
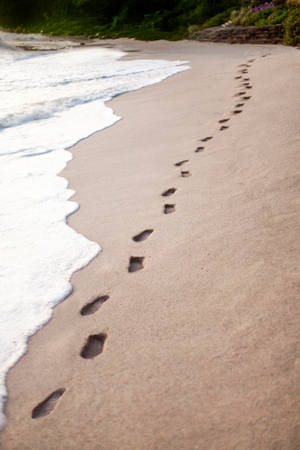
{"points": [[281, 12], [155, 19], [271, 16], [218, 19], [292, 27]]}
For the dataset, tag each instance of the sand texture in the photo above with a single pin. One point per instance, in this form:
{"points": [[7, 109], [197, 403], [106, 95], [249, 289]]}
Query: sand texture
{"points": [[189, 338]]}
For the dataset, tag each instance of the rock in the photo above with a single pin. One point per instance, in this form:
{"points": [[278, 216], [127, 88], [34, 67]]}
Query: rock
{"points": [[268, 34]]}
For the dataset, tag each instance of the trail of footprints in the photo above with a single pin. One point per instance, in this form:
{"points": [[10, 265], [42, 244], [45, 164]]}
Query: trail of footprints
{"points": [[93, 306], [93, 346], [46, 406], [95, 343], [142, 236]]}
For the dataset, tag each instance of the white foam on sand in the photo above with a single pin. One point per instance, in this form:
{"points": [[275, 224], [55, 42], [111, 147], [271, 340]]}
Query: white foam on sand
{"points": [[49, 101]]}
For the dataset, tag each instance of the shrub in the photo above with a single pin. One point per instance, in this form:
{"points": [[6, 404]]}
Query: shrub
{"points": [[206, 9], [242, 16], [218, 19], [278, 15], [193, 28], [260, 16], [292, 27]]}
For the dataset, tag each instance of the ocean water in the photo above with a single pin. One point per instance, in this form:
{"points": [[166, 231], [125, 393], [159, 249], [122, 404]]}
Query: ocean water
{"points": [[49, 101]]}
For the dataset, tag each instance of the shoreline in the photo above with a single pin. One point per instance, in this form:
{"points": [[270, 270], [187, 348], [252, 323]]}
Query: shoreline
{"points": [[160, 323], [41, 298]]}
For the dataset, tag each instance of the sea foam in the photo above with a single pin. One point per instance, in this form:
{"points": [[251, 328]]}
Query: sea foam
{"points": [[49, 101]]}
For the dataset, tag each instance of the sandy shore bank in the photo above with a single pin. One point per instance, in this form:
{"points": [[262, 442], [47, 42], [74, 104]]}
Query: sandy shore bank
{"points": [[200, 349]]}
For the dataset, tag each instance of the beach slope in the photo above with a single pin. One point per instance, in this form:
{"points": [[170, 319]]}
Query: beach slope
{"points": [[189, 336]]}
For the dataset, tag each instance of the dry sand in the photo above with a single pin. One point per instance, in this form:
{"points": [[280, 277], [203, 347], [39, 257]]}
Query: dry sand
{"points": [[201, 347]]}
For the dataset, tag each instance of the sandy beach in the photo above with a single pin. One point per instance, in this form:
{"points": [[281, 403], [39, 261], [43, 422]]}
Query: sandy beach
{"points": [[199, 349]]}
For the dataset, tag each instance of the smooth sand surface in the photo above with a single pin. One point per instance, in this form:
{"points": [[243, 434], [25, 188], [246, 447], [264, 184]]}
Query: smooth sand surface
{"points": [[200, 348]]}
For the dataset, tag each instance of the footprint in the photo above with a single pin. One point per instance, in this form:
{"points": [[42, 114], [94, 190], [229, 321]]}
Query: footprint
{"points": [[239, 105], [248, 87], [251, 60], [240, 93], [142, 236], [206, 139], [223, 128], [94, 346], [246, 79], [238, 77], [168, 209], [185, 173], [246, 98], [136, 263], [223, 120], [237, 111], [199, 149], [169, 192], [180, 163], [244, 65], [46, 406], [92, 307]]}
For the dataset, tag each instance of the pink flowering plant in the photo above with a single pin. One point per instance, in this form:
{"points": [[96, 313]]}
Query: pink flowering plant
{"points": [[258, 14], [263, 6]]}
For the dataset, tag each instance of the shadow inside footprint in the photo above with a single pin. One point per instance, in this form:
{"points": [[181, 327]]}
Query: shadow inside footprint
{"points": [[180, 163], [169, 192], [247, 98], [240, 93], [223, 120], [206, 139], [142, 236], [136, 263], [223, 127], [168, 209], [199, 149], [92, 307], [238, 78], [46, 406], [185, 173], [237, 111], [94, 346]]}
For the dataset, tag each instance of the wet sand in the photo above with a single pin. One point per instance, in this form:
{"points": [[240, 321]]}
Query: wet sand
{"points": [[189, 336]]}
